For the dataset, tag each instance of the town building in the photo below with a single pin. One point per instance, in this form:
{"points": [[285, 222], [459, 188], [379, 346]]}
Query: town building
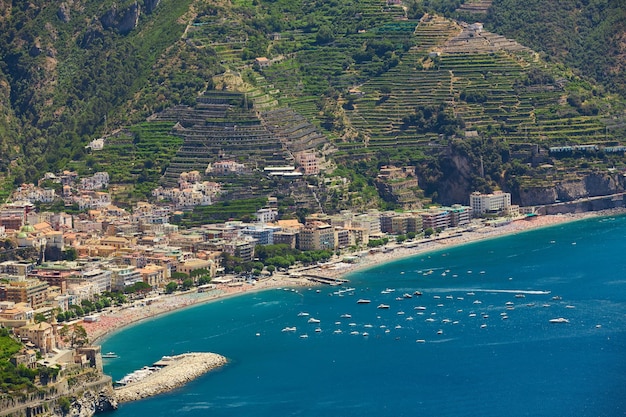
{"points": [[124, 276], [459, 215], [435, 218], [154, 275], [41, 335], [308, 162], [31, 291], [241, 248], [194, 264], [495, 202], [316, 235]]}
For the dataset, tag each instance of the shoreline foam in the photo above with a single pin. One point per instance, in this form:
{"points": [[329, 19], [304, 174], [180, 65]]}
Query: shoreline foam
{"points": [[124, 317]]}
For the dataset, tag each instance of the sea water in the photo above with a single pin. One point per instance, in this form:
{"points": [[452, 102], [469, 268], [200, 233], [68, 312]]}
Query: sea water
{"points": [[477, 342]]}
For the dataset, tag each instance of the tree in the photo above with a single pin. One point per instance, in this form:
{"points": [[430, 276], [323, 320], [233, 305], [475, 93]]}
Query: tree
{"points": [[70, 254], [324, 35], [39, 317], [171, 287], [75, 335], [428, 232], [179, 275]]}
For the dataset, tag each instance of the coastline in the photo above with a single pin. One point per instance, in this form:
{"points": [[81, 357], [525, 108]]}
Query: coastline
{"points": [[117, 318]]}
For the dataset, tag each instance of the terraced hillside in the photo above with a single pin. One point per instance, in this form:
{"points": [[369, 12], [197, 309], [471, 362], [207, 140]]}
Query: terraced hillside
{"points": [[222, 126], [482, 81]]}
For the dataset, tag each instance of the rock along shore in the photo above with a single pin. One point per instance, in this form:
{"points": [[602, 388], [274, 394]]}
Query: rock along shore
{"points": [[180, 370]]}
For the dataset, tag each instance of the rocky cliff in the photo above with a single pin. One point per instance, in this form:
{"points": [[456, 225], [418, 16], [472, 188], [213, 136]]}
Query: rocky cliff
{"points": [[590, 185], [84, 399], [90, 402]]}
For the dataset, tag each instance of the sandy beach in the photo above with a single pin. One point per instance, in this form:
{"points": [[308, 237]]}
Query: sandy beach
{"points": [[116, 318]]}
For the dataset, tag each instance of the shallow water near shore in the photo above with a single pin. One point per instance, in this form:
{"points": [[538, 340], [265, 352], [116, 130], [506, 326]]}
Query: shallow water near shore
{"points": [[478, 341]]}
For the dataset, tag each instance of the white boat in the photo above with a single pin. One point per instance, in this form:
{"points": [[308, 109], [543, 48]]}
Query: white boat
{"points": [[110, 355], [407, 295], [417, 293], [559, 320], [366, 334], [363, 301], [383, 306], [303, 314], [346, 316], [313, 320], [289, 329], [420, 341], [317, 330], [520, 296], [304, 336], [338, 331], [422, 308]]}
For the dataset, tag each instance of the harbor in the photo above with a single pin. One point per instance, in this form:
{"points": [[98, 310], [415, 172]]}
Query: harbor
{"points": [[166, 374]]}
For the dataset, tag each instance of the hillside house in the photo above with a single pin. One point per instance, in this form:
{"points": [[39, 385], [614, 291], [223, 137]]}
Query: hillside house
{"points": [[262, 62]]}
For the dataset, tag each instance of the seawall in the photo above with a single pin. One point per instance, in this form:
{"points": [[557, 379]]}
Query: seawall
{"points": [[180, 369]]}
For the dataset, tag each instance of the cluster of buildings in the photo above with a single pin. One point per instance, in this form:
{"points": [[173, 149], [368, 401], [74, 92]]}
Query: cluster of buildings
{"points": [[191, 191], [115, 249], [84, 192]]}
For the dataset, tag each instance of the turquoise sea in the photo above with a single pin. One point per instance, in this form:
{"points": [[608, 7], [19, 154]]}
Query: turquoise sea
{"points": [[477, 342]]}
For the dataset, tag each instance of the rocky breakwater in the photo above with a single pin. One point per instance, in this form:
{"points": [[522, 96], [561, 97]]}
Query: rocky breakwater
{"points": [[178, 371]]}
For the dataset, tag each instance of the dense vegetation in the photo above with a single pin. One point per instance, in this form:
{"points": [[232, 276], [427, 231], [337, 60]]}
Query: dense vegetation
{"points": [[586, 35], [363, 72], [13, 378]]}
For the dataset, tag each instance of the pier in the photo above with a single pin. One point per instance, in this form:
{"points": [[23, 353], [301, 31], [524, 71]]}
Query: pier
{"points": [[174, 372], [325, 280]]}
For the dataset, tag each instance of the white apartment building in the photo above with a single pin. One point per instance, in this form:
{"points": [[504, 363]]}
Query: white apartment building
{"points": [[485, 203]]}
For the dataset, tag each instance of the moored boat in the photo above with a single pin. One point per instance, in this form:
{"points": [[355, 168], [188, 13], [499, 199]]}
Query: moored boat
{"points": [[559, 320]]}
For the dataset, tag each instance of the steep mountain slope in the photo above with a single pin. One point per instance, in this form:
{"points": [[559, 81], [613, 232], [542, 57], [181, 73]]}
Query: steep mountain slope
{"points": [[386, 83], [589, 35]]}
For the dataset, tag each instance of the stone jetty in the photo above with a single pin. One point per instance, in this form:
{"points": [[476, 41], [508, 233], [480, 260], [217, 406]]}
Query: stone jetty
{"points": [[175, 371]]}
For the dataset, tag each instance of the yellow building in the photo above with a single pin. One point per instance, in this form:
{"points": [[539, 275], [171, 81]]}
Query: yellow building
{"points": [[153, 275], [39, 334], [193, 264]]}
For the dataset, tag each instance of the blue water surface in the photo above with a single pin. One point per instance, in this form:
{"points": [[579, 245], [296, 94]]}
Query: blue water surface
{"points": [[477, 342]]}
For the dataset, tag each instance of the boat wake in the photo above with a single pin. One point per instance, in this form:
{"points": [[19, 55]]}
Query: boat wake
{"points": [[504, 291]]}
